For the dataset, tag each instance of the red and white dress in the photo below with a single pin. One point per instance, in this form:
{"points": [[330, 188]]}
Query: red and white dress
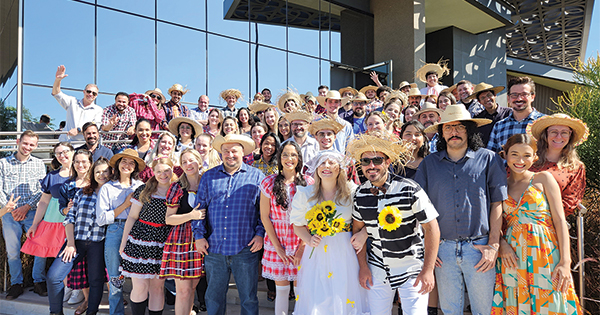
{"points": [[273, 267]]}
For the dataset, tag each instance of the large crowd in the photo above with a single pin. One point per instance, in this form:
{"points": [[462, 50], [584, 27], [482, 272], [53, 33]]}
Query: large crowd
{"points": [[347, 201]]}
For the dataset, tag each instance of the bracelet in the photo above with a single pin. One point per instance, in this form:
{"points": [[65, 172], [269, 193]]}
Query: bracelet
{"points": [[492, 247]]}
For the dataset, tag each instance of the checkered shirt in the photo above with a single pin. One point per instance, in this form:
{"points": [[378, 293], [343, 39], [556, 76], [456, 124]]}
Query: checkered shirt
{"points": [[266, 168], [373, 105], [126, 119], [21, 179], [83, 216], [507, 127]]}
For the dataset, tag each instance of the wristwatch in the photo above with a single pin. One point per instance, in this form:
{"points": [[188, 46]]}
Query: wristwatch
{"points": [[78, 130]]}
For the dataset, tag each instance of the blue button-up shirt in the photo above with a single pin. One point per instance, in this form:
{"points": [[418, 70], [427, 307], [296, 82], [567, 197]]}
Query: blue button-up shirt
{"points": [[509, 126], [232, 202], [462, 191]]}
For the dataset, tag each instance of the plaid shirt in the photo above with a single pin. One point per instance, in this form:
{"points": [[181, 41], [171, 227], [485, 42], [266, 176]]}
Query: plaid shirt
{"points": [[145, 107], [184, 111], [232, 215], [507, 127], [373, 105], [83, 216], [266, 168], [126, 119], [21, 179]]}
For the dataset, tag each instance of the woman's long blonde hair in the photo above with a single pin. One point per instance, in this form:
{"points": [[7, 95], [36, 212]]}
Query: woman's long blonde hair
{"points": [[152, 184], [150, 157], [213, 156], [343, 195], [569, 159], [264, 120], [185, 184]]}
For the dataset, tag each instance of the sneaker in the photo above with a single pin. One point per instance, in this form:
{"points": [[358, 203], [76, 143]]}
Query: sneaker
{"points": [[76, 297], [14, 291], [68, 292], [40, 288]]}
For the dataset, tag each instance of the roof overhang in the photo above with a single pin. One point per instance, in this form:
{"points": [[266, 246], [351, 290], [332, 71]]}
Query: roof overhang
{"points": [[558, 78], [473, 16]]}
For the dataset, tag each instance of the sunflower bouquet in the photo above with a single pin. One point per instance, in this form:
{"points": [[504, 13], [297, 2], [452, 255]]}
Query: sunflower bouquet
{"points": [[324, 220]]}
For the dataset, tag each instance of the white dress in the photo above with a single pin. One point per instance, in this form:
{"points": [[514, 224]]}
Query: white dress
{"points": [[328, 282]]}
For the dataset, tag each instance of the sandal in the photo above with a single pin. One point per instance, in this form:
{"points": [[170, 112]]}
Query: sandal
{"points": [[271, 296], [82, 308]]}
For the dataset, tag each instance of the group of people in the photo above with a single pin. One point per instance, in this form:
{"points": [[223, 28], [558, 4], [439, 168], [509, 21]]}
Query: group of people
{"points": [[345, 201]]}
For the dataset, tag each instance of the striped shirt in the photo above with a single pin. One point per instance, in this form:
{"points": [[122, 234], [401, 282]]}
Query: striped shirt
{"points": [[395, 256]]}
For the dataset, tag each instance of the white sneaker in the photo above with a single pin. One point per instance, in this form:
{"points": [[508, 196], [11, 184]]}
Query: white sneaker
{"points": [[67, 295], [76, 297]]}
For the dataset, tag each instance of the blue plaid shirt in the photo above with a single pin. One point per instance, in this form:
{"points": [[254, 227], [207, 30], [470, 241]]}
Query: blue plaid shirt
{"points": [[232, 203], [507, 127], [83, 216], [21, 179]]}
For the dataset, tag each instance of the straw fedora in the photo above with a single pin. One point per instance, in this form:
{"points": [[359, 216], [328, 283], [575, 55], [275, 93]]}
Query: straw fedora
{"points": [[368, 87], [299, 115], [360, 97], [396, 95], [128, 153], [428, 107], [449, 89], [580, 129], [289, 95], [233, 92], [259, 106], [159, 92], [482, 87], [174, 125], [415, 92], [456, 112], [178, 87], [325, 124], [348, 88], [404, 84], [441, 68], [246, 142], [332, 94], [398, 152], [308, 94]]}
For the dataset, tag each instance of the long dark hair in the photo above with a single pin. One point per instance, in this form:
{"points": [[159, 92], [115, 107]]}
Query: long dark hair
{"points": [[250, 117], [279, 189], [82, 152], [424, 149], [117, 174], [277, 144], [89, 190], [55, 164], [474, 141], [135, 140], [178, 139]]}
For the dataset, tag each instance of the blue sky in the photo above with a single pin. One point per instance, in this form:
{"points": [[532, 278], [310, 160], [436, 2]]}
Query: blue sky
{"points": [[593, 47]]}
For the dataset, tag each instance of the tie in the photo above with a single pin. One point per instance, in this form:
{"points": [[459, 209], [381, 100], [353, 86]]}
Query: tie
{"points": [[375, 190]]}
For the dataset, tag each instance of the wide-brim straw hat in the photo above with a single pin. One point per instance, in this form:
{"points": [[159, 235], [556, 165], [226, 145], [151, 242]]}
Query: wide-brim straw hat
{"points": [[449, 89], [325, 124], [259, 106], [309, 93], [398, 152], [299, 115], [398, 96], [405, 84], [234, 92], [157, 91], [368, 87], [348, 88], [174, 125], [360, 97], [482, 87], [415, 92], [580, 129], [332, 94], [456, 112], [289, 95], [246, 142], [128, 153], [428, 107], [178, 87], [441, 68]]}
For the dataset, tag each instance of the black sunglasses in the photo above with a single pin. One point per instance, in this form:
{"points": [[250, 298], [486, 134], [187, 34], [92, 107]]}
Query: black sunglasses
{"points": [[90, 91], [156, 97], [367, 161]]}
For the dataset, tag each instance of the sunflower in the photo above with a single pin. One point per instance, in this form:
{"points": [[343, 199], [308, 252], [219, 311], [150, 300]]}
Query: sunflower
{"points": [[314, 225], [338, 225], [328, 207], [311, 213], [390, 218], [324, 230]]}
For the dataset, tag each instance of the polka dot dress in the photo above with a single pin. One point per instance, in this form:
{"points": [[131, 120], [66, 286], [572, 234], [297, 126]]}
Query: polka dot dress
{"points": [[143, 252]]}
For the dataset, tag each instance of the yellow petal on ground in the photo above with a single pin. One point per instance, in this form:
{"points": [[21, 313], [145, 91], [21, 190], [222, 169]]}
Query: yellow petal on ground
{"points": [[325, 248], [330, 275], [297, 296], [350, 302], [299, 267]]}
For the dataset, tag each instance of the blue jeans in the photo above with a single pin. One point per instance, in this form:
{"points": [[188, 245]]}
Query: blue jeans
{"points": [[458, 260], [94, 253], [244, 266], [12, 231], [112, 243]]}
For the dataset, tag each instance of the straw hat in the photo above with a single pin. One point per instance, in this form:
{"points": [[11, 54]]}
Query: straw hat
{"points": [[128, 153], [299, 115], [580, 129], [415, 92], [332, 94], [482, 87], [159, 92], [428, 107], [449, 89], [398, 152], [178, 87], [246, 142], [441, 68], [325, 124], [259, 106], [368, 87], [231, 92], [360, 97], [308, 94], [289, 95], [405, 84], [174, 125], [348, 88], [397, 95], [457, 112]]}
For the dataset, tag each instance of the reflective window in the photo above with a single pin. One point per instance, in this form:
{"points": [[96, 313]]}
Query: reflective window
{"points": [[271, 35], [272, 71], [190, 12], [336, 43], [305, 41], [325, 73], [303, 73], [217, 24], [38, 101], [143, 7], [325, 53], [228, 67]]}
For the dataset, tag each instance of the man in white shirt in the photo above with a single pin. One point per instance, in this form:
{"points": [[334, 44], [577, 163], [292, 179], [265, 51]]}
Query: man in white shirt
{"points": [[78, 111]]}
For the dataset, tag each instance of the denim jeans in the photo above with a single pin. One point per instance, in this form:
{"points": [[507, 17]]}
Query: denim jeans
{"points": [[94, 253], [112, 243], [458, 260], [244, 267], [12, 231]]}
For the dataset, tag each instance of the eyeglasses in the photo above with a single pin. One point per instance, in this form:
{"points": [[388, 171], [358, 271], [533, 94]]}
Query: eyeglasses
{"points": [[65, 152], [156, 97], [519, 95], [459, 128], [562, 134], [367, 161], [91, 92]]}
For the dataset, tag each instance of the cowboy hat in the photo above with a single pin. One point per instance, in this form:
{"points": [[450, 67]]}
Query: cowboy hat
{"points": [[175, 122], [398, 152], [428, 107], [360, 97], [456, 112], [289, 95], [128, 153], [299, 115], [348, 88], [258, 106], [482, 87], [368, 87], [325, 124], [178, 87], [415, 92], [405, 84], [580, 129], [332, 94], [246, 142], [231, 92], [449, 89], [440, 68], [159, 92]]}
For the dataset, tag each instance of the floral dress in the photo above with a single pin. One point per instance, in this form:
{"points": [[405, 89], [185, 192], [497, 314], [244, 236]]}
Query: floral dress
{"points": [[529, 288]]}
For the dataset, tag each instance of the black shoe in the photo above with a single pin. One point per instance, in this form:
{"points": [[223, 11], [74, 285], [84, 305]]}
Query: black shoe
{"points": [[169, 297], [14, 292], [40, 288], [202, 307]]}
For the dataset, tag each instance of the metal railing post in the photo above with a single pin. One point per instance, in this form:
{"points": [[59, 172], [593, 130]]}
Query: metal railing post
{"points": [[581, 253]]}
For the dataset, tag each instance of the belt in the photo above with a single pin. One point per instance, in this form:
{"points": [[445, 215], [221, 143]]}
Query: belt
{"points": [[467, 239], [121, 220], [152, 223]]}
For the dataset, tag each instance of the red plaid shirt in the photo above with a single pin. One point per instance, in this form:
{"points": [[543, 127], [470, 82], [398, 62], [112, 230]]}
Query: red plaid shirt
{"points": [[145, 107], [126, 119]]}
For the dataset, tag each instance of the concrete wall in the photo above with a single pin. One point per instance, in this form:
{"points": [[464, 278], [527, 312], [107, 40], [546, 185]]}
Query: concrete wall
{"points": [[356, 39]]}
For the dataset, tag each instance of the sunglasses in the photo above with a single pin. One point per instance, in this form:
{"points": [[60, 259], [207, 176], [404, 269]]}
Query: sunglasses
{"points": [[156, 97], [367, 161], [91, 92]]}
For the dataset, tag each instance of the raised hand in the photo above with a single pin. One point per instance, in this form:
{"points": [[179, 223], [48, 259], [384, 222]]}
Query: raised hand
{"points": [[60, 72], [12, 203], [114, 119]]}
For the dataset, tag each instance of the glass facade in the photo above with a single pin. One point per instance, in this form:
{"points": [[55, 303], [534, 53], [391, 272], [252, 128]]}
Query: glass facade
{"points": [[134, 46]]}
